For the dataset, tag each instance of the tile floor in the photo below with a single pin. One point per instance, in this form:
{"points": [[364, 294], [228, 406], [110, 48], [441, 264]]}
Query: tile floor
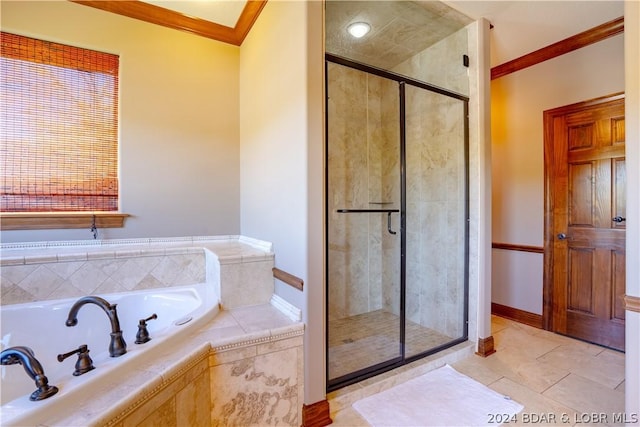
{"points": [[559, 380], [364, 340]]}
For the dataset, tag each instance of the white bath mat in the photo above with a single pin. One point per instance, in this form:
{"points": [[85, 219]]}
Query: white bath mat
{"points": [[443, 397]]}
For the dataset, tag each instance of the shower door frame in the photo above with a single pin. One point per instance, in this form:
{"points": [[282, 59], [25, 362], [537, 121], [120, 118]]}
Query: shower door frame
{"points": [[379, 368]]}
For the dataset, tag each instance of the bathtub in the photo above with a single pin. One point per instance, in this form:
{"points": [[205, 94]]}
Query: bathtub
{"points": [[41, 326]]}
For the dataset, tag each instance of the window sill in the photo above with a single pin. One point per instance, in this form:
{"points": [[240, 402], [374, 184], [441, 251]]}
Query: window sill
{"points": [[49, 220]]}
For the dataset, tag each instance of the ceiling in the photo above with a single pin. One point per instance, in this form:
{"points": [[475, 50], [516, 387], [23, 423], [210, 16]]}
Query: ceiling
{"points": [[399, 29], [520, 27], [219, 11]]}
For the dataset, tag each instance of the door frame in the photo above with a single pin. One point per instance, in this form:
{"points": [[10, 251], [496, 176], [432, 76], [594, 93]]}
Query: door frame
{"points": [[548, 273]]}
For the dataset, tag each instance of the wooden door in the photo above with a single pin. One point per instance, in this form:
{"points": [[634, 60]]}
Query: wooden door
{"points": [[585, 190]]}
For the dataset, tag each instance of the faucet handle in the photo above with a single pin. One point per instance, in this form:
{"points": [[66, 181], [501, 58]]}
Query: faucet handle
{"points": [[143, 334], [84, 363]]}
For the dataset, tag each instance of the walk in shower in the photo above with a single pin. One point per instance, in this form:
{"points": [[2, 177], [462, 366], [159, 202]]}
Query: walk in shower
{"points": [[397, 204]]}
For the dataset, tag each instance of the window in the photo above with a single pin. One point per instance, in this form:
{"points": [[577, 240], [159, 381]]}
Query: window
{"points": [[59, 121]]}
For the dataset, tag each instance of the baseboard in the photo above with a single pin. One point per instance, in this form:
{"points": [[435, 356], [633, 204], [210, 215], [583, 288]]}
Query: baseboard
{"points": [[517, 315], [316, 415], [288, 309], [485, 346]]}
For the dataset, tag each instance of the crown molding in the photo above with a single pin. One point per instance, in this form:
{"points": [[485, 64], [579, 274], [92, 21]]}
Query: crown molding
{"points": [[169, 18], [580, 40]]}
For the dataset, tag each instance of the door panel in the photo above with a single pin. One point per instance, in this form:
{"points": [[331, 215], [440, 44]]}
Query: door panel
{"points": [[586, 179], [363, 209], [581, 198], [580, 280], [436, 220], [619, 192]]}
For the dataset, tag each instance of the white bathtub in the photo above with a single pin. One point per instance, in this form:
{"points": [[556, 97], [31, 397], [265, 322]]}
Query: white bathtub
{"points": [[41, 326]]}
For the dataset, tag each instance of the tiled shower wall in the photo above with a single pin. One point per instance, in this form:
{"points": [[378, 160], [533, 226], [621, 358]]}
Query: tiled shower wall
{"points": [[435, 212], [364, 166], [364, 172], [441, 64], [103, 272], [436, 218]]}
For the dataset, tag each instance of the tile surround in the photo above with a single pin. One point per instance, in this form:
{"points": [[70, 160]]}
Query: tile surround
{"points": [[52, 270], [253, 351], [223, 373], [232, 383], [261, 389]]}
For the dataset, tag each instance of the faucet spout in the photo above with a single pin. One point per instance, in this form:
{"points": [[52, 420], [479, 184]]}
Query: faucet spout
{"points": [[118, 346], [25, 357]]}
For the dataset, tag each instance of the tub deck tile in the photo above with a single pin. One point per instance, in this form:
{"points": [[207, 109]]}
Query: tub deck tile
{"points": [[169, 364], [72, 256], [112, 396], [12, 260], [226, 334], [223, 319], [101, 255], [41, 259], [260, 317]]}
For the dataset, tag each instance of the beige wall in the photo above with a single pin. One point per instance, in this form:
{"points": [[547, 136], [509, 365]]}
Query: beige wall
{"points": [[273, 133], [517, 103], [281, 152], [179, 120]]}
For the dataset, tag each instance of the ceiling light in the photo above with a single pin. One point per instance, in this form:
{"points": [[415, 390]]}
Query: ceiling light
{"points": [[358, 29]]}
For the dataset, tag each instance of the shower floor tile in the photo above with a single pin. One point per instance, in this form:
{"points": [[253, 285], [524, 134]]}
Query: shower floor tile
{"points": [[364, 340]]}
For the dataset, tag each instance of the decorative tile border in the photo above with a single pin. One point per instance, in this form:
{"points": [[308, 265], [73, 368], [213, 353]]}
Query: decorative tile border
{"points": [[10, 253], [263, 338]]}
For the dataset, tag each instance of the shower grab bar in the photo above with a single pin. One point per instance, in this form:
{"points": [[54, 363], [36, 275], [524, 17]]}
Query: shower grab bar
{"points": [[387, 211]]}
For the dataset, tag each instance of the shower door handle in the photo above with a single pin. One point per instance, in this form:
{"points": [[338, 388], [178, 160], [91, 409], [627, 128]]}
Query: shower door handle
{"points": [[389, 224], [367, 210], [387, 211]]}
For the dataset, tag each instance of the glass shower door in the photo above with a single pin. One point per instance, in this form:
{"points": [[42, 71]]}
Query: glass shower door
{"points": [[363, 218], [436, 220], [397, 220]]}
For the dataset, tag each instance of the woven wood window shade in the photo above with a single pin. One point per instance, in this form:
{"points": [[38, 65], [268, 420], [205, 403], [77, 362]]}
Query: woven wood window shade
{"points": [[58, 137]]}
